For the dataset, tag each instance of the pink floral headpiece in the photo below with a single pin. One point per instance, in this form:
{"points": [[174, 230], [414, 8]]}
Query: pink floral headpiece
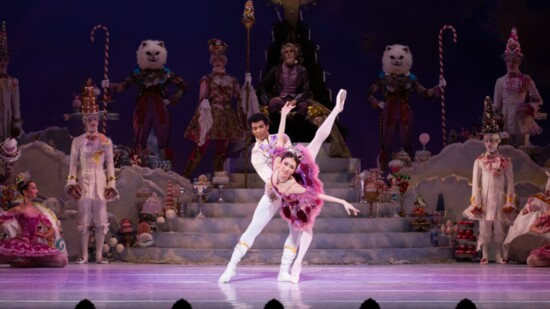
{"points": [[296, 152]]}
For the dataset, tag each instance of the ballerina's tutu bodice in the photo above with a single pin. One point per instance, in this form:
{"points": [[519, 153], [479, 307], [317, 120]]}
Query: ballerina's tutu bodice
{"points": [[301, 209]]}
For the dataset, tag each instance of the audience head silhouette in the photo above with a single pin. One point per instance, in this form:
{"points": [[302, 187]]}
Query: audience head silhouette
{"points": [[85, 304], [274, 304], [466, 304], [369, 304], [182, 304]]}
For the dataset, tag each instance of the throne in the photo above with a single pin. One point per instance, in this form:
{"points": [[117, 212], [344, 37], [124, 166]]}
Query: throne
{"points": [[319, 96]]}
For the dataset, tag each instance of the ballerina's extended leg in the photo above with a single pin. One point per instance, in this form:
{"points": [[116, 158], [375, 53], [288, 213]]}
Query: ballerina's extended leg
{"points": [[324, 130]]}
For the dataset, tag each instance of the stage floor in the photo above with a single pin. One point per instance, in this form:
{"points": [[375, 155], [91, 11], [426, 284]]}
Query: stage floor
{"points": [[124, 285]]}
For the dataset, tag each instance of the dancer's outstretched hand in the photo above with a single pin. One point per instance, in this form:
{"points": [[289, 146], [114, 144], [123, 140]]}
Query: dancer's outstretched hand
{"points": [[349, 209], [340, 100], [286, 109]]}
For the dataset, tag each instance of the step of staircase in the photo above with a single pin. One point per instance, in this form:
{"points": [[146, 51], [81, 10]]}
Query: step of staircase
{"points": [[245, 210], [253, 195], [314, 256], [276, 240], [278, 225]]}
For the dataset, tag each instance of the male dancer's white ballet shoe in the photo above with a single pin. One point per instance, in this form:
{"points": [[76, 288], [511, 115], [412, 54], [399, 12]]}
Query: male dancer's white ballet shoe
{"points": [[229, 273], [340, 100], [296, 270], [238, 253], [284, 277]]}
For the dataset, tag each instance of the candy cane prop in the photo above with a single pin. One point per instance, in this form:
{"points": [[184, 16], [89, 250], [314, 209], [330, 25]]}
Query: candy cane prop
{"points": [[443, 120], [105, 71]]}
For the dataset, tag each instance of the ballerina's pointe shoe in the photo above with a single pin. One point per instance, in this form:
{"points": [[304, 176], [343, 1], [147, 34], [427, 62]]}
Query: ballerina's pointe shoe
{"points": [[296, 270], [340, 100], [484, 261], [284, 277], [229, 273]]}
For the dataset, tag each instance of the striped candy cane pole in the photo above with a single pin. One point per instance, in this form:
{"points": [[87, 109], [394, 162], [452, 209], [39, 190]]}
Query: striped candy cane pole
{"points": [[443, 120], [105, 71]]}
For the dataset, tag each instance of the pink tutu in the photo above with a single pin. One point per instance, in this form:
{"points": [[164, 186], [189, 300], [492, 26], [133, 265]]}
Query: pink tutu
{"points": [[26, 244], [23, 247], [301, 209]]}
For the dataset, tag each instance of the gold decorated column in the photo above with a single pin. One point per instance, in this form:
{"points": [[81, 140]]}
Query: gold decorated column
{"points": [[248, 21]]}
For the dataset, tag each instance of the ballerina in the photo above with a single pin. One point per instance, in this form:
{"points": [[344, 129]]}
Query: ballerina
{"points": [[39, 243], [295, 181]]}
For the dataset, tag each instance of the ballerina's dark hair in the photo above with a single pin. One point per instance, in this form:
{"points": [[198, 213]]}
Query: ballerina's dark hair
{"points": [[22, 183]]}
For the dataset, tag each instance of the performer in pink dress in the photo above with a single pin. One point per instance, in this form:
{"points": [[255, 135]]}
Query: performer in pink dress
{"points": [[35, 245], [295, 180]]}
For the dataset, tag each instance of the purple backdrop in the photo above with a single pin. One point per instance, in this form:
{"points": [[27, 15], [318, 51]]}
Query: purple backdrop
{"points": [[53, 55]]}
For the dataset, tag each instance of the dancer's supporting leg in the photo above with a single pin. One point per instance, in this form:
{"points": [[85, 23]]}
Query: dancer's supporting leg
{"points": [[265, 210], [324, 130], [289, 253], [305, 240]]}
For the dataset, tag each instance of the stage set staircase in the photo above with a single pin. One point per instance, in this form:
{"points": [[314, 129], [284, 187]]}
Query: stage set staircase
{"points": [[338, 238]]}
